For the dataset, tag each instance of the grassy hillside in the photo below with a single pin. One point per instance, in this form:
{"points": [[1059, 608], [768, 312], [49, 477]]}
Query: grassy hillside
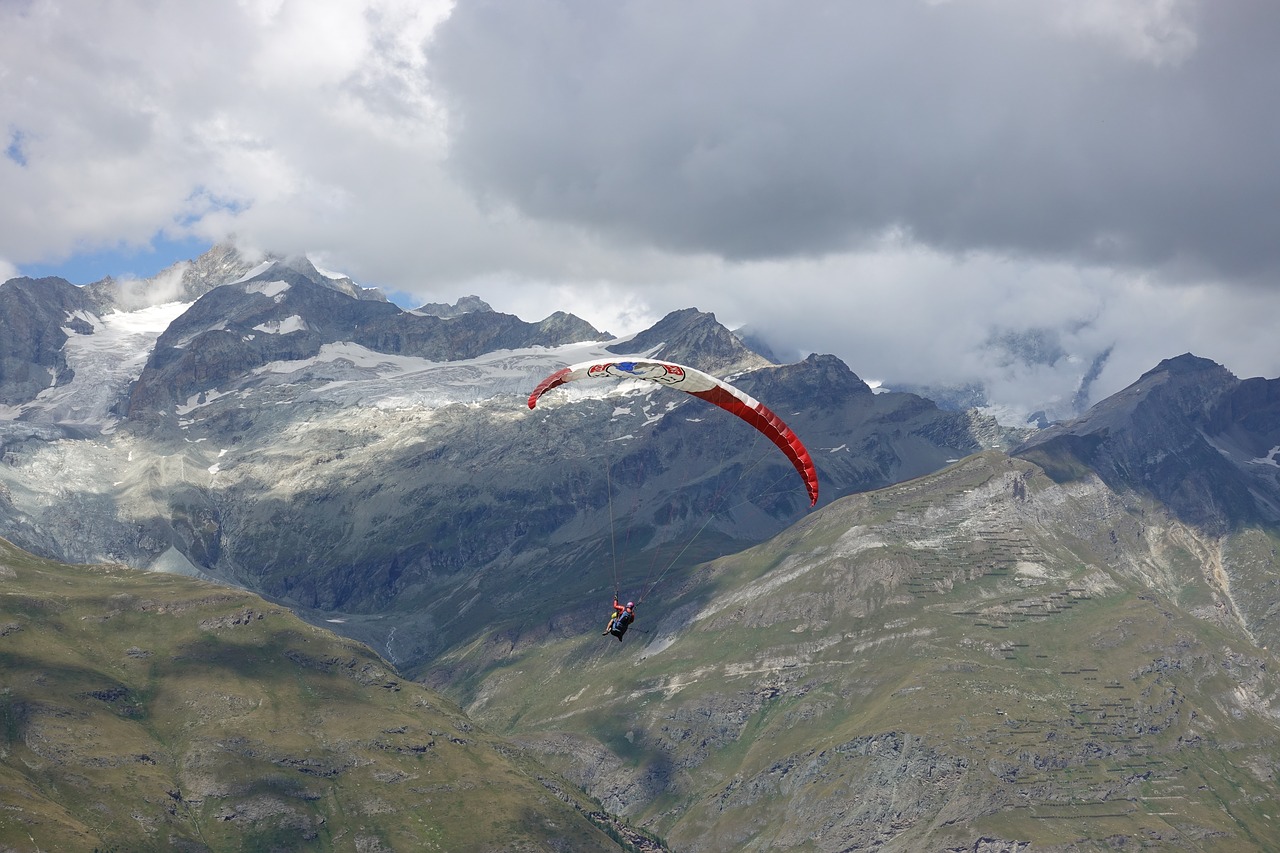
{"points": [[153, 712], [980, 659]]}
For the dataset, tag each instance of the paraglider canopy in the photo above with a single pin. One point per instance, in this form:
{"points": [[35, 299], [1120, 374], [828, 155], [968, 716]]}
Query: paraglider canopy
{"points": [[699, 384]]}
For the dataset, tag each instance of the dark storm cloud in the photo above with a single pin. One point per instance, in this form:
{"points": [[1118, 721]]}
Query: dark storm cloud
{"points": [[1041, 197], [1125, 133]]}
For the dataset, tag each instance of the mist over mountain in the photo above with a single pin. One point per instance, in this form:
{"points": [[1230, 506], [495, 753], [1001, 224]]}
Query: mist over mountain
{"points": [[983, 638]]}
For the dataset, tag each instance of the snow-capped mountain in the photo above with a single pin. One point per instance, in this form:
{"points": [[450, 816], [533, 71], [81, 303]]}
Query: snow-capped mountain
{"points": [[101, 357], [378, 466]]}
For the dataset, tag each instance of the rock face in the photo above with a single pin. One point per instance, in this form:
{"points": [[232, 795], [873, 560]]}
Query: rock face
{"points": [[1189, 434], [465, 305], [36, 316]]}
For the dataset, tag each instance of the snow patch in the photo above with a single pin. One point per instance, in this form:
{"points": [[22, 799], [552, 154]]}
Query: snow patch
{"points": [[1269, 459], [174, 562], [195, 401], [336, 276], [271, 289], [293, 323], [357, 376], [85, 316], [255, 272]]}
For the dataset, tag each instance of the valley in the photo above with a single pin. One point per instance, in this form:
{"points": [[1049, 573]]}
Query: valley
{"points": [[297, 544]]}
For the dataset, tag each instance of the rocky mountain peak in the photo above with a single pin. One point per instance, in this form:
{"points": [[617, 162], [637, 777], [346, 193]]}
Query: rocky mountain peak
{"points": [[1188, 382], [1177, 388], [465, 305], [1184, 365], [695, 338], [221, 264], [1182, 434], [816, 378], [184, 281], [281, 268], [568, 327]]}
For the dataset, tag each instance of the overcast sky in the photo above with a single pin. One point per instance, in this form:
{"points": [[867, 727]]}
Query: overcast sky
{"points": [[922, 187]]}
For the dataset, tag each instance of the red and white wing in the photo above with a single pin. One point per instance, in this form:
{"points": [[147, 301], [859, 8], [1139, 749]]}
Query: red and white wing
{"points": [[699, 384]]}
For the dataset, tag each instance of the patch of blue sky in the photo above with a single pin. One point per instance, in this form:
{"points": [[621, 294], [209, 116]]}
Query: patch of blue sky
{"points": [[17, 148], [121, 261]]}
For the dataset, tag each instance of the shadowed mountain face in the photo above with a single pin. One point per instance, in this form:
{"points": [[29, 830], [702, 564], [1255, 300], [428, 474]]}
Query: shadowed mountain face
{"points": [[36, 316], [1188, 434]]}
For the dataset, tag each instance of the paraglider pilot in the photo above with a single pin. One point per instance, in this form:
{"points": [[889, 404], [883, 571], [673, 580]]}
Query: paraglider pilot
{"points": [[621, 619]]}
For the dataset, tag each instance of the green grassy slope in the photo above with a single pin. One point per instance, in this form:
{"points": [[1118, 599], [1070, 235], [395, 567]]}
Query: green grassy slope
{"points": [[978, 659], [152, 712]]}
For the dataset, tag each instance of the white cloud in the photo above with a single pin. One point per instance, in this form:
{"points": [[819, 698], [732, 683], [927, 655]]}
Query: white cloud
{"points": [[916, 187], [1156, 31]]}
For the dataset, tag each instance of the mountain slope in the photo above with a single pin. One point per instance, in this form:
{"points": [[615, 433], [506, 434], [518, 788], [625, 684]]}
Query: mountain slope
{"points": [[150, 712], [1202, 444], [377, 466], [1063, 649], [970, 660]]}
